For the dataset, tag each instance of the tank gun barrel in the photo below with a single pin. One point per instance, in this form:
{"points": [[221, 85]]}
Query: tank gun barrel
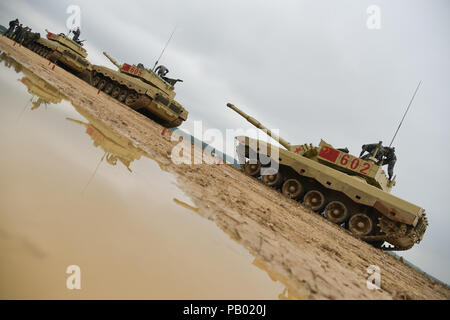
{"points": [[257, 124], [114, 62]]}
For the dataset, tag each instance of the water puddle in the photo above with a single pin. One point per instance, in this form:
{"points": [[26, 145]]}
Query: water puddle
{"points": [[75, 192]]}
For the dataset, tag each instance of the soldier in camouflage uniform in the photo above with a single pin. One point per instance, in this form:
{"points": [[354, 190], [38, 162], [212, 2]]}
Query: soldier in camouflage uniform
{"points": [[17, 32], [390, 159], [23, 35], [161, 70], [76, 35], [385, 155], [371, 148], [12, 25]]}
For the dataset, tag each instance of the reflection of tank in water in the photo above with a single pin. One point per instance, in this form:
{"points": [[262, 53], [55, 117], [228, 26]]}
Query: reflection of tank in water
{"points": [[36, 86], [347, 190], [60, 49], [10, 62], [142, 90], [115, 146]]}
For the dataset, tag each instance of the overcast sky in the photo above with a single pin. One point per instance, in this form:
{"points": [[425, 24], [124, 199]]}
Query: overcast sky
{"points": [[312, 69]]}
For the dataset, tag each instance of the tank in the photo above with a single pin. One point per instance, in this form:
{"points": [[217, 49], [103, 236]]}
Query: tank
{"points": [[345, 189], [142, 90], [63, 51]]}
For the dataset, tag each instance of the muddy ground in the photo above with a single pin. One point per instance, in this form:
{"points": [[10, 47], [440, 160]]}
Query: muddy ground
{"points": [[312, 257]]}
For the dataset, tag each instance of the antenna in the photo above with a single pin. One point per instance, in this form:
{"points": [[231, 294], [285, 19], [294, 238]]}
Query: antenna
{"points": [[407, 109], [93, 174], [164, 49]]}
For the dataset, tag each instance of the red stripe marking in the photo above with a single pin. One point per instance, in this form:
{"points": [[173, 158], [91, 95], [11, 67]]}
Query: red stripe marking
{"points": [[164, 131], [53, 68]]}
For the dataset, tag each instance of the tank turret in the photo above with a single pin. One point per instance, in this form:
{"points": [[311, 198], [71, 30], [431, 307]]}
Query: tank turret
{"points": [[346, 189]]}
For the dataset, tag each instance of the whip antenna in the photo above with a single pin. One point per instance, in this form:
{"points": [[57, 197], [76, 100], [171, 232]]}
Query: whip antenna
{"points": [[164, 49], [407, 109]]}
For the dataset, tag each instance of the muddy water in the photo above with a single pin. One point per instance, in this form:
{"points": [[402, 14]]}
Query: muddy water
{"points": [[73, 192]]}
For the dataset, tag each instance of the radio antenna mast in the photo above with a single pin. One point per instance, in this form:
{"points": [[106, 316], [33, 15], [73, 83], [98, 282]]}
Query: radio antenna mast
{"points": [[164, 49], [404, 115]]}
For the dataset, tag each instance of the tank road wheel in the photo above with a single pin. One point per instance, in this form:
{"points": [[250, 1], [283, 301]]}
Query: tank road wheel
{"points": [[95, 81], [131, 98], [336, 212], [101, 84], [122, 95], [273, 180], [360, 224], [115, 92], [252, 169], [109, 88], [292, 188], [314, 199]]}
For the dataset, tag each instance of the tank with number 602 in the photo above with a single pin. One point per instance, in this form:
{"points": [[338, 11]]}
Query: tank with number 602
{"points": [[347, 190]]}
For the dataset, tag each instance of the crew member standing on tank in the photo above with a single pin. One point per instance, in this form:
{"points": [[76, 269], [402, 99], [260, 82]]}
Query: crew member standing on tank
{"points": [[161, 70], [17, 33], [76, 34], [23, 34], [12, 25], [371, 148], [390, 159]]}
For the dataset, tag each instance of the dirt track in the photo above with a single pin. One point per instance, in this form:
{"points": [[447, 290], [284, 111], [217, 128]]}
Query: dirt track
{"points": [[315, 259]]}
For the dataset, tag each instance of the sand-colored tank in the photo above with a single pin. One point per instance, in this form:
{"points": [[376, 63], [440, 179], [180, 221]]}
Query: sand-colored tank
{"points": [[62, 50], [345, 189], [142, 90]]}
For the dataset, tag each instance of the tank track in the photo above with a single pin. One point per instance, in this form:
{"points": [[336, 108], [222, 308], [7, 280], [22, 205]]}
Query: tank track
{"points": [[40, 50], [396, 232]]}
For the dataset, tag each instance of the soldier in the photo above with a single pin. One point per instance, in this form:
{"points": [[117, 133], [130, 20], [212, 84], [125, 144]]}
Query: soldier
{"points": [[12, 25], [162, 70], [371, 148], [76, 35], [23, 35], [389, 158], [17, 32]]}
